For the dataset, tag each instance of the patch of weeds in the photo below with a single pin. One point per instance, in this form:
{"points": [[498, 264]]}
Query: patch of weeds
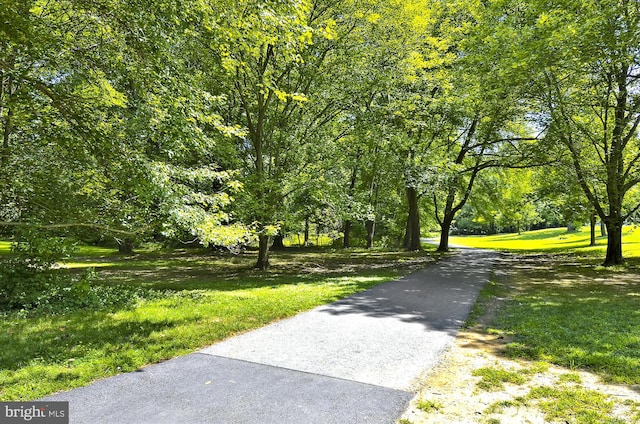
{"points": [[537, 367], [570, 378], [405, 421], [493, 421], [632, 410], [574, 405], [429, 405], [493, 379], [498, 407]]}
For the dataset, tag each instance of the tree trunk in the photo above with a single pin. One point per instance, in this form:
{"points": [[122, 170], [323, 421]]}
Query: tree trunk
{"points": [[278, 242], [406, 241], [413, 221], [603, 229], [592, 223], [445, 227], [306, 231], [614, 244], [263, 252], [370, 225], [346, 241], [125, 246]]}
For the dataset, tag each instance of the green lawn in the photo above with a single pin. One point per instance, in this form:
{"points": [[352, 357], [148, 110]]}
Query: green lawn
{"points": [[553, 240], [559, 305], [176, 302], [5, 247]]}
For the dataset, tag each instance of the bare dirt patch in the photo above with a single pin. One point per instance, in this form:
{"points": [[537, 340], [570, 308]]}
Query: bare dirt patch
{"points": [[454, 389]]}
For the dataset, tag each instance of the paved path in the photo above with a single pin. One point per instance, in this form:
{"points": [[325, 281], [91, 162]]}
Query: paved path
{"points": [[352, 361]]}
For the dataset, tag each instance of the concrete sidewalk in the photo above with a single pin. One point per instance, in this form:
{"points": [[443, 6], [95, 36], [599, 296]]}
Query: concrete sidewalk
{"points": [[352, 361]]}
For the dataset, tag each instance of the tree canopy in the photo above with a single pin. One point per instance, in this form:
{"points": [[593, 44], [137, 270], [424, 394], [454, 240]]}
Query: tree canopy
{"points": [[221, 122]]}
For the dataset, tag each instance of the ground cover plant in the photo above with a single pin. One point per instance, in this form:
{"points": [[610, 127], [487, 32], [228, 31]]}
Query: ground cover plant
{"points": [[160, 304]]}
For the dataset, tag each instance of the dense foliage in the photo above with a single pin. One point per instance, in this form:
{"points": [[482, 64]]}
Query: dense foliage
{"points": [[227, 123]]}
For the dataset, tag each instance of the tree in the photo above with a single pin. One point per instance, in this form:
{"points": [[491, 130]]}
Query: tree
{"points": [[583, 61], [104, 121]]}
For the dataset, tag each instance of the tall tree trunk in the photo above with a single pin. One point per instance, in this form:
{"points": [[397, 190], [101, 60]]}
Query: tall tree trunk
{"points": [[406, 242], [451, 208], [445, 228], [263, 252], [306, 231], [346, 241], [125, 246], [614, 243], [413, 220], [592, 224], [278, 242], [370, 225]]}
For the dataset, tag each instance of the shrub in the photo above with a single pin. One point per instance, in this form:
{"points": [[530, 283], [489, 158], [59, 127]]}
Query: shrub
{"points": [[30, 276]]}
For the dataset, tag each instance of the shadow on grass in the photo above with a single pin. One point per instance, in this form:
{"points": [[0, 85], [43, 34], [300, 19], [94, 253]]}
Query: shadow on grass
{"points": [[225, 272], [573, 313], [196, 299], [63, 338]]}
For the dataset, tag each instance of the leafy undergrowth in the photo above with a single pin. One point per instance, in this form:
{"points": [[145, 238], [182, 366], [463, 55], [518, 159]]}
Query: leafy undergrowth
{"points": [[175, 302]]}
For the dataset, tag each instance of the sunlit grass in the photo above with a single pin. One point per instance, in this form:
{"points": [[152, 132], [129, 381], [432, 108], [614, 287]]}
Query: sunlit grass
{"points": [[556, 240], [5, 247], [569, 311], [188, 299], [314, 240]]}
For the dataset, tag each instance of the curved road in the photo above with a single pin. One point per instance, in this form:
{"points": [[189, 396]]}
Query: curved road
{"points": [[352, 361]]}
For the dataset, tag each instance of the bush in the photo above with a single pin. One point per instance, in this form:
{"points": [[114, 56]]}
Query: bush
{"points": [[30, 276]]}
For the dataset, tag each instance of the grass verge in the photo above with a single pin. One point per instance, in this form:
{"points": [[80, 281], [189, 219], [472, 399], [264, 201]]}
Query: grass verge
{"points": [[575, 315], [183, 300]]}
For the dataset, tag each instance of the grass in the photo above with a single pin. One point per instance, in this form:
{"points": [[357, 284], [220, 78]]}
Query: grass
{"points": [[560, 403], [570, 312], [580, 323], [184, 300], [566, 309], [5, 247], [428, 405], [553, 303], [553, 240], [494, 378]]}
